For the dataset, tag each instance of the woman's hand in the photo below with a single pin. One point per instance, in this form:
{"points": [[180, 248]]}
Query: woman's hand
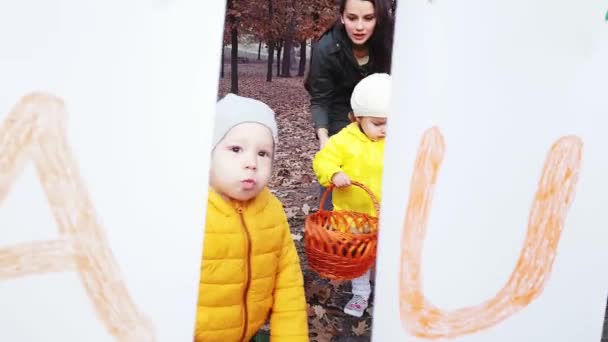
{"points": [[323, 137], [340, 180]]}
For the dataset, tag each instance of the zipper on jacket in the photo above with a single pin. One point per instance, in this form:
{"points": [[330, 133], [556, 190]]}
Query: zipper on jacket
{"points": [[239, 209]]}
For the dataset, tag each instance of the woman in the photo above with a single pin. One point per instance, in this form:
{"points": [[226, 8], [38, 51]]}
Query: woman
{"points": [[358, 44]]}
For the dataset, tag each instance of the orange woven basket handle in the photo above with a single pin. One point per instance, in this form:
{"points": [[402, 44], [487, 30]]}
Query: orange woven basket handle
{"points": [[355, 183]]}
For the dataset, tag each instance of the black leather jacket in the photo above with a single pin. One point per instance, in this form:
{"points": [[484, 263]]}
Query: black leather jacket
{"points": [[334, 72]]}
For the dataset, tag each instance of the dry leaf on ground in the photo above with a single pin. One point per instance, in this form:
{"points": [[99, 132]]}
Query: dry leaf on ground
{"points": [[319, 311], [305, 208], [319, 332], [336, 283], [320, 290], [292, 212], [361, 328]]}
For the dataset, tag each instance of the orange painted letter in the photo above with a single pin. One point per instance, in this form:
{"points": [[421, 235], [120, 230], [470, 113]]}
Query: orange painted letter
{"points": [[35, 129], [553, 197]]}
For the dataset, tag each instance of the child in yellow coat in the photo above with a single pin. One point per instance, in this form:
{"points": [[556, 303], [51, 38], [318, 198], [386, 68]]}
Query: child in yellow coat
{"points": [[356, 153], [250, 269]]}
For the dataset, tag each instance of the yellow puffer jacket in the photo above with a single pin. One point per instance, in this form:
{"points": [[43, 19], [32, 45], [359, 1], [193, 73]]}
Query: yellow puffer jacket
{"points": [[250, 270], [352, 152]]}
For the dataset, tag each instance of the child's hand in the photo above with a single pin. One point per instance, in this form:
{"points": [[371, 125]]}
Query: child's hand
{"points": [[340, 180]]}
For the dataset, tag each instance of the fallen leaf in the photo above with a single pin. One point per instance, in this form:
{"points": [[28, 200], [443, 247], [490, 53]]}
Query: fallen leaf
{"points": [[283, 173], [335, 324], [305, 179], [309, 310], [306, 209], [292, 212], [320, 290], [319, 332], [361, 328], [319, 311], [337, 283]]}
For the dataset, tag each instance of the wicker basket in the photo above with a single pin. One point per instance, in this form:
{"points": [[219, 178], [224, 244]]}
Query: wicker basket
{"points": [[341, 245]]}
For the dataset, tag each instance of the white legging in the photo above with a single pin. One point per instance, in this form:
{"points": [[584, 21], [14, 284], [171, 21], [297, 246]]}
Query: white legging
{"points": [[361, 285]]}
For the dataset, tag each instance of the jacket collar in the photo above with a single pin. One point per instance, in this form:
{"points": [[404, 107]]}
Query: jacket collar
{"points": [[228, 208], [354, 130], [340, 40]]}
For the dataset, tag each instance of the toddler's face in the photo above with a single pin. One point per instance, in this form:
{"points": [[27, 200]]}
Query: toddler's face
{"points": [[241, 163], [373, 127]]}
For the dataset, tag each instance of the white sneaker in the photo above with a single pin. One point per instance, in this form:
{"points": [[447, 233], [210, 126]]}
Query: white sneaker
{"points": [[356, 306]]}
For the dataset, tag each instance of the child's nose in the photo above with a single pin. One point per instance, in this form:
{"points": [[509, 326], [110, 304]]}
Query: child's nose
{"points": [[251, 162]]}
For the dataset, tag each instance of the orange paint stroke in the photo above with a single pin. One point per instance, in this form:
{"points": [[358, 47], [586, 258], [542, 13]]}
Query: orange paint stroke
{"points": [[553, 198], [35, 128]]}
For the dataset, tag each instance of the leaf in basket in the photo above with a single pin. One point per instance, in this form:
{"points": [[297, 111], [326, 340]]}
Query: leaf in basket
{"points": [[296, 237], [361, 328], [306, 209], [319, 311]]}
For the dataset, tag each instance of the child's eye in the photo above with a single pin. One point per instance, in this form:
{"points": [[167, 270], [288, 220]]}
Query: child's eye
{"points": [[235, 149], [263, 154]]}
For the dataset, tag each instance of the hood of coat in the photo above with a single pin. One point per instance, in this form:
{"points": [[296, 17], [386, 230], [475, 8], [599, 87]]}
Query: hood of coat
{"points": [[354, 130]]}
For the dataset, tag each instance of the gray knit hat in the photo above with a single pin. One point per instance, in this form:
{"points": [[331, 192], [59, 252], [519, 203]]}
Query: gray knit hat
{"points": [[233, 110]]}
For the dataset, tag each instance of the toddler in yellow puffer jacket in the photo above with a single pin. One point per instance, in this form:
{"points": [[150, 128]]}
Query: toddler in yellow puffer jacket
{"points": [[357, 153], [250, 269]]}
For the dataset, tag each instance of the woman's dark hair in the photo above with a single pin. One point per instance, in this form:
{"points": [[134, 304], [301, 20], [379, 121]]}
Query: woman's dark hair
{"points": [[381, 41]]}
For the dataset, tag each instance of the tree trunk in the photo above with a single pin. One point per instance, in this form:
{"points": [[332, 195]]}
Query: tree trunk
{"points": [[222, 62], [286, 68], [270, 61], [288, 47], [234, 58], [302, 58], [293, 55], [259, 50], [279, 48], [270, 42]]}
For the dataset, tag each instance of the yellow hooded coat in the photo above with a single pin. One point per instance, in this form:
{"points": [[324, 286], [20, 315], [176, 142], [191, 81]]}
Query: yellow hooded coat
{"points": [[352, 152], [250, 272]]}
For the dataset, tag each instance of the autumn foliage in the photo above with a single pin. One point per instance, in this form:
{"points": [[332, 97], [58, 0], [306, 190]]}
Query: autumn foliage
{"points": [[277, 25]]}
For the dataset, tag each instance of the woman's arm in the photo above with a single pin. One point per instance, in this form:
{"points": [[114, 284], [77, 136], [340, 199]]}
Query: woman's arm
{"points": [[322, 87]]}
